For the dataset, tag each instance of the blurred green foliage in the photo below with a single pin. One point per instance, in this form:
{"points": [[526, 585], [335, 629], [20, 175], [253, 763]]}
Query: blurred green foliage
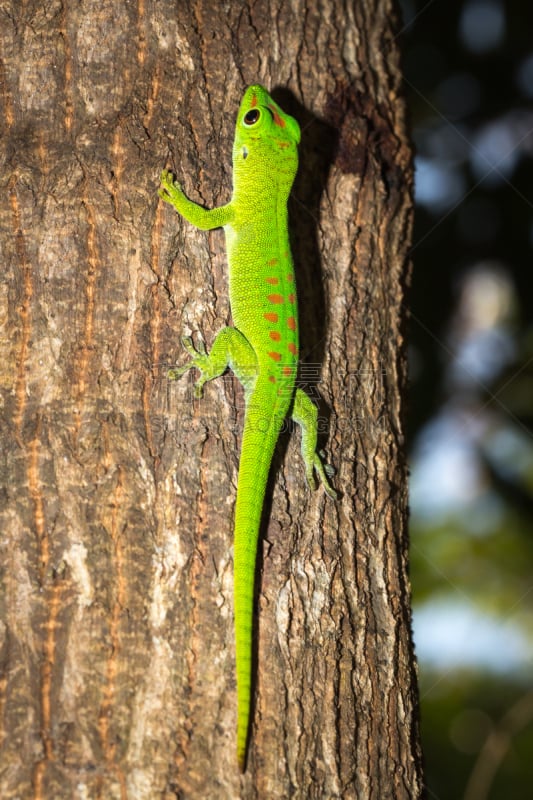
{"points": [[469, 79]]}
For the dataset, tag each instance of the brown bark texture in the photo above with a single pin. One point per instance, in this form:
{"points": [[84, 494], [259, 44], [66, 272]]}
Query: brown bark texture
{"points": [[118, 488]]}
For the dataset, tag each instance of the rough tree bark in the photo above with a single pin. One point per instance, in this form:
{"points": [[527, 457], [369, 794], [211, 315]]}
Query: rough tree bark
{"points": [[117, 489]]}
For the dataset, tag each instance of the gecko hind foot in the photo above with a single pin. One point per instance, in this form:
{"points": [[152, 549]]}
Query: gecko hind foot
{"points": [[325, 472], [199, 359], [329, 469]]}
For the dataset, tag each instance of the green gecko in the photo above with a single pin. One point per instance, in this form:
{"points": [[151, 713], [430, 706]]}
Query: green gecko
{"points": [[262, 348]]}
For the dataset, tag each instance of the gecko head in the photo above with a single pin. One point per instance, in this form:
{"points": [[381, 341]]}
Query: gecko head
{"points": [[264, 135]]}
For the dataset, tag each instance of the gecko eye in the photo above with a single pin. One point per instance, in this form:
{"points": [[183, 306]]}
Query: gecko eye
{"points": [[251, 117]]}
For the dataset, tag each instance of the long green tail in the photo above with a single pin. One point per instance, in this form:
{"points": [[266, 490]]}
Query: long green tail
{"points": [[259, 440]]}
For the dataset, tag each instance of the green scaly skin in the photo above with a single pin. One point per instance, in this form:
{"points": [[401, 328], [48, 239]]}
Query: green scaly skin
{"points": [[262, 348]]}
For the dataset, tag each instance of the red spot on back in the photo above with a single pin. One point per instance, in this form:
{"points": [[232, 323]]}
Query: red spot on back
{"points": [[283, 145], [272, 281], [287, 370], [272, 262], [275, 336], [291, 298], [275, 356], [275, 298], [292, 348], [291, 323], [271, 317], [290, 277], [272, 378], [277, 119]]}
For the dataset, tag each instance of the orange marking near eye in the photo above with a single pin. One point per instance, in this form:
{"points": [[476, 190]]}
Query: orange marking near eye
{"points": [[272, 378], [291, 298], [290, 277], [292, 348], [287, 370], [275, 298], [291, 323], [275, 356], [275, 336], [277, 119], [271, 317], [272, 281], [272, 262], [253, 101]]}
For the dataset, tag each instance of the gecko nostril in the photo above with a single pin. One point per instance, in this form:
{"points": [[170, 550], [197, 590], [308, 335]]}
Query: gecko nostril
{"points": [[245, 152]]}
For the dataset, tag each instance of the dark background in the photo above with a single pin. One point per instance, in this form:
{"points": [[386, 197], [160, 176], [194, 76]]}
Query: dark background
{"points": [[469, 78]]}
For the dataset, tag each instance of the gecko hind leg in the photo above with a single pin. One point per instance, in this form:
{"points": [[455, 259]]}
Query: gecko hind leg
{"points": [[230, 349], [305, 413]]}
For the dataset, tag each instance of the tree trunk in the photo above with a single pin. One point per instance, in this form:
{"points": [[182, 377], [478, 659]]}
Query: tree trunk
{"points": [[118, 489]]}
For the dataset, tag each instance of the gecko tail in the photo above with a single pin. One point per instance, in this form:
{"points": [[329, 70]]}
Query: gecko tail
{"points": [[256, 457]]}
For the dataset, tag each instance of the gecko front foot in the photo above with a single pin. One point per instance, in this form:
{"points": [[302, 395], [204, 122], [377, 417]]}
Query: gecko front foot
{"points": [[170, 191]]}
